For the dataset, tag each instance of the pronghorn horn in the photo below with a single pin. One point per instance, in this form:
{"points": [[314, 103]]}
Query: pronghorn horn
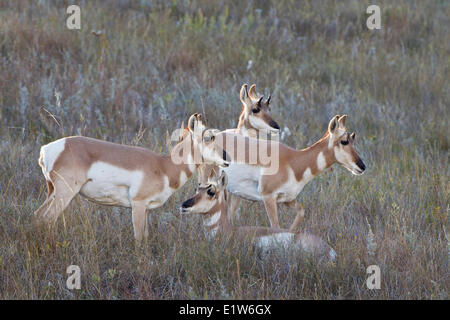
{"points": [[259, 101], [223, 179]]}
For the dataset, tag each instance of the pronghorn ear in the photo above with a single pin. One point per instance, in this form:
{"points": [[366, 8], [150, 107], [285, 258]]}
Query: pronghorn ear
{"points": [[353, 136], [252, 92], [333, 125], [212, 172], [223, 180], [181, 132], [243, 93], [342, 121], [268, 99], [245, 99]]}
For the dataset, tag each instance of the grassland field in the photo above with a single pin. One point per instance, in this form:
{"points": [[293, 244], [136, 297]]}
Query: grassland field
{"points": [[157, 62]]}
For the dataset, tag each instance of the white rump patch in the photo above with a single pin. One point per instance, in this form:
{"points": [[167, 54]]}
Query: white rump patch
{"points": [[49, 153]]}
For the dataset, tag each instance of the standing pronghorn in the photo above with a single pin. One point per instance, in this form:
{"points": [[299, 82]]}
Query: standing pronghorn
{"points": [[295, 167], [254, 119], [119, 175], [210, 201]]}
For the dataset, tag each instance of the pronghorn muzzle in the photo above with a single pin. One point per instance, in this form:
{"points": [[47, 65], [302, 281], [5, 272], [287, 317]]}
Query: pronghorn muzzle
{"points": [[361, 165], [274, 125], [185, 206]]}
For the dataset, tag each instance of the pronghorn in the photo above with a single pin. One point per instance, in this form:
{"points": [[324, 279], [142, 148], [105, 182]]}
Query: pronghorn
{"points": [[119, 175], [210, 201], [254, 119], [255, 114], [295, 168]]}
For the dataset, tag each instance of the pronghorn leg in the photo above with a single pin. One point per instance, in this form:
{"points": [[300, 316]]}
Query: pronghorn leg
{"points": [[43, 208], [297, 206], [271, 208], [50, 188], [63, 193], [139, 216], [48, 200], [233, 204]]}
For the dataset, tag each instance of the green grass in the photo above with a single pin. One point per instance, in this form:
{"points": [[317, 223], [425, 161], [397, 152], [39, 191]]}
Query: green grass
{"points": [[160, 61]]}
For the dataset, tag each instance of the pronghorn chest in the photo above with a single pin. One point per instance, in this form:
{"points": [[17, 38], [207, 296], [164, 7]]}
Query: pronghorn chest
{"points": [[289, 190], [243, 181]]}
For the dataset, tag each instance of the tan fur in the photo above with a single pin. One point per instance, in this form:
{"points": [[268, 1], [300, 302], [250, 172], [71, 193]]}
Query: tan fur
{"points": [[294, 165], [251, 100], [218, 203], [158, 175]]}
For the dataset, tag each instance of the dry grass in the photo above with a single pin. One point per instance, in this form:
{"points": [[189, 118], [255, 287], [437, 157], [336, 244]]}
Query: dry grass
{"points": [[159, 62]]}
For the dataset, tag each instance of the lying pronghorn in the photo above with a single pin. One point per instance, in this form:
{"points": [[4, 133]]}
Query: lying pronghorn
{"points": [[119, 175], [210, 201], [295, 167]]}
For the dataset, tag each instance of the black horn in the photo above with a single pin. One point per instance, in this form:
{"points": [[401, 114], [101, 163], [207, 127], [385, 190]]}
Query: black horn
{"points": [[259, 101]]}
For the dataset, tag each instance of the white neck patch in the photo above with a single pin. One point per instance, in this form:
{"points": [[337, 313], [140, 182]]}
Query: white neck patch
{"points": [[321, 162], [208, 222], [259, 124]]}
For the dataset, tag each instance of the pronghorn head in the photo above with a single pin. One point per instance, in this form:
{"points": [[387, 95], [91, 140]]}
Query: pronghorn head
{"points": [[208, 197], [256, 111], [203, 143], [342, 143]]}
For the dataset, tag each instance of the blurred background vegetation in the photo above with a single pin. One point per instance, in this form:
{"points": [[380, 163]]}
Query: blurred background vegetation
{"points": [[150, 64]]}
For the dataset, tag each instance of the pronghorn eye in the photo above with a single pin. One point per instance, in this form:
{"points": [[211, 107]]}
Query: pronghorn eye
{"points": [[211, 193], [255, 110], [344, 142], [209, 138]]}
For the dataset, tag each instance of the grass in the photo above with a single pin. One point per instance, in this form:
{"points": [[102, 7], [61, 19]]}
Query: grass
{"points": [[156, 63]]}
